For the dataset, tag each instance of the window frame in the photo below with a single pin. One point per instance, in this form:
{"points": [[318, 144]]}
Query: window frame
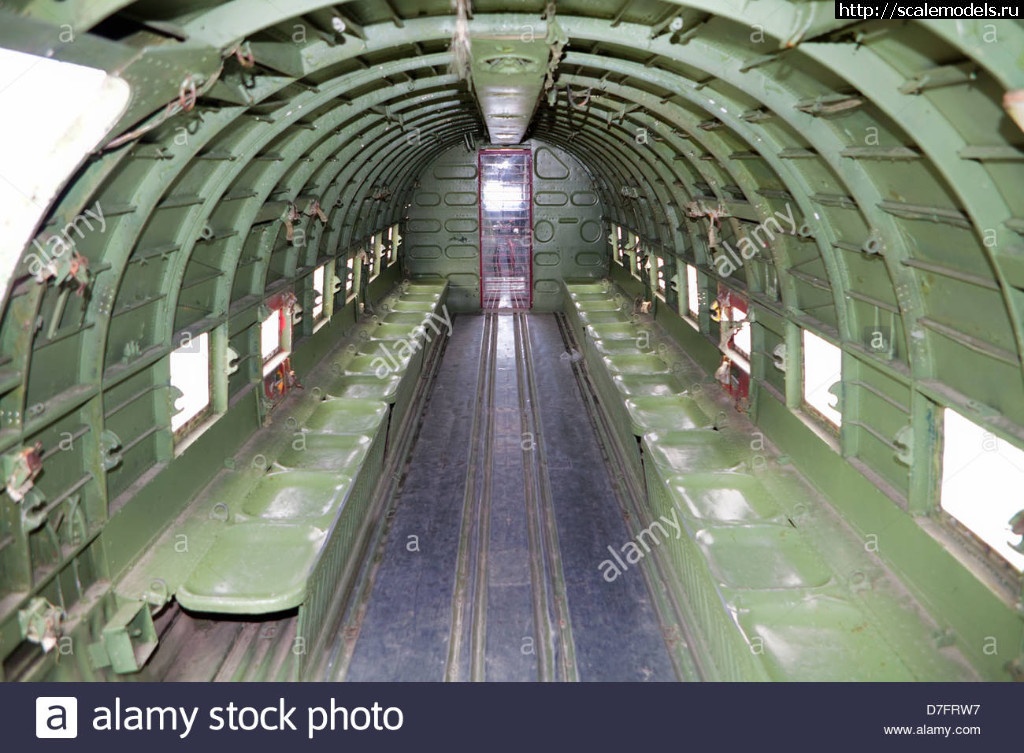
{"points": [[691, 314], [819, 413], [350, 278], [321, 315], [190, 426], [270, 361], [373, 252], [967, 526], [736, 302], [660, 283]]}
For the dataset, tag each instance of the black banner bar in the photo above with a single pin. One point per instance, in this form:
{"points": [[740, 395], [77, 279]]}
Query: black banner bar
{"points": [[607, 717]]}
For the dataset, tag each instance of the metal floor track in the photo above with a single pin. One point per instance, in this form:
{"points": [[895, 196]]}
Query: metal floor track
{"points": [[489, 569]]}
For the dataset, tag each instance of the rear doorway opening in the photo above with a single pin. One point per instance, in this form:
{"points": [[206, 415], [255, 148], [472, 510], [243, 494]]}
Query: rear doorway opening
{"points": [[506, 222]]}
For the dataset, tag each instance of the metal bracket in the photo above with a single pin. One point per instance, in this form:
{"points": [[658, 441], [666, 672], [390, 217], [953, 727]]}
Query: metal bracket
{"points": [[173, 396], [903, 441], [132, 350], [33, 511], [128, 640], [41, 622], [231, 357], [313, 209], [836, 390], [1017, 526], [780, 357], [110, 447], [20, 470]]}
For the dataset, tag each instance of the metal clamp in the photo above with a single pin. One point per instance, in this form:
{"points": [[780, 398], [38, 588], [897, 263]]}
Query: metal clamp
{"points": [[41, 622], [110, 447]]}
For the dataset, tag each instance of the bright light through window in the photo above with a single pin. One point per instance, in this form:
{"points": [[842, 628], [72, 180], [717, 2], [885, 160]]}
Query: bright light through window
{"points": [[982, 478], [659, 264], [373, 251], [270, 335], [394, 240], [741, 339], [41, 148], [190, 373], [822, 368], [502, 196], [692, 295], [318, 293], [350, 279]]}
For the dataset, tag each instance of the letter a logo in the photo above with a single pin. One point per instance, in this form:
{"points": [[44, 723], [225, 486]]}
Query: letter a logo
{"points": [[57, 717]]}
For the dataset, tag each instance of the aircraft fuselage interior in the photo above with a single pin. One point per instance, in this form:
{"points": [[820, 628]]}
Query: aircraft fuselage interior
{"points": [[509, 340]]}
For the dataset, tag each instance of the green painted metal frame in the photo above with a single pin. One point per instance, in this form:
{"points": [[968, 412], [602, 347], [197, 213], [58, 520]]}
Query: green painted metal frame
{"points": [[240, 145]]}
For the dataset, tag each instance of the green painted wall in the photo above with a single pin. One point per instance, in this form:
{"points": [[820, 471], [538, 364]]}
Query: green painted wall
{"points": [[442, 229], [79, 578], [949, 577]]}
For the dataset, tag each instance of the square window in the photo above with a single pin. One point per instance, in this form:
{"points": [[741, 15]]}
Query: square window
{"points": [[350, 279], [692, 292], [734, 327], [741, 340], [392, 247], [190, 373], [270, 334], [823, 367], [318, 293], [741, 337], [982, 476], [374, 254]]}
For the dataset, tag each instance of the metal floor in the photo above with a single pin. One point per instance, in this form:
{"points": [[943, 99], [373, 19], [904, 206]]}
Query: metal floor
{"points": [[490, 568]]}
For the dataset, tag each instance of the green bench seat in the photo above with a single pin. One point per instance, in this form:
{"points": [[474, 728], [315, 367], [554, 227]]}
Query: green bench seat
{"points": [[574, 289], [688, 450], [335, 459], [632, 385], [609, 316], [722, 497], [594, 303], [368, 387], [764, 594], [254, 568], [616, 330], [635, 363], [654, 413], [340, 415]]}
